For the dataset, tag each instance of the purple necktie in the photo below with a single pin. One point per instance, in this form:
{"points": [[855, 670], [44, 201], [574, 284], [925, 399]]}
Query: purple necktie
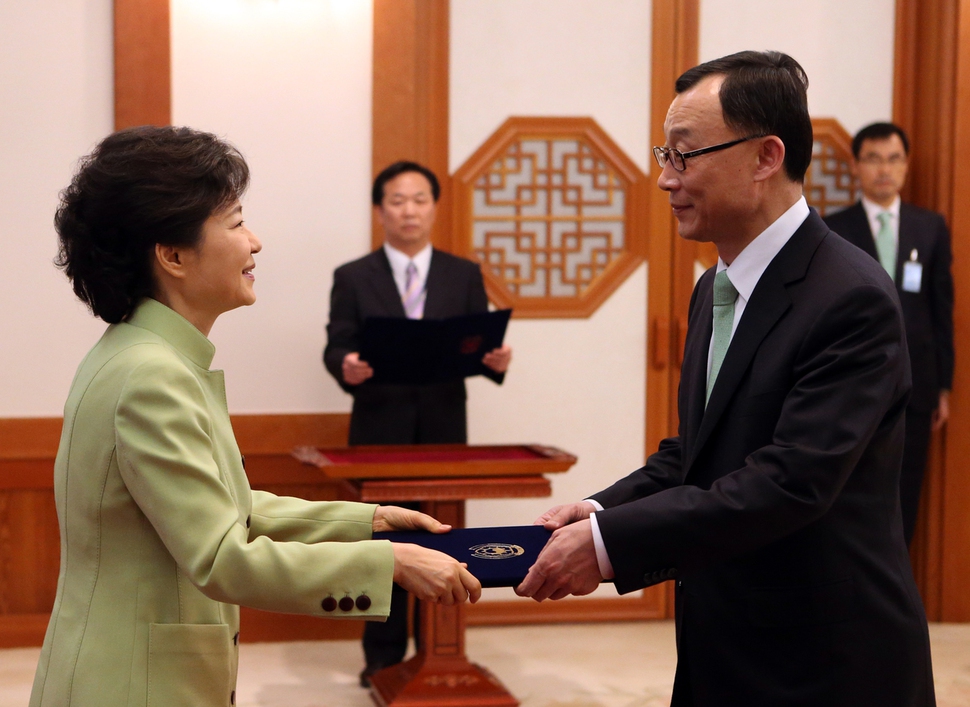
{"points": [[413, 300]]}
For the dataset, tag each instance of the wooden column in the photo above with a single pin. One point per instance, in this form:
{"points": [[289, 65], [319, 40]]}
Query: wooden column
{"points": [[955, 599], [931, 102], [410, 109], [143, 65], [670, 258]]}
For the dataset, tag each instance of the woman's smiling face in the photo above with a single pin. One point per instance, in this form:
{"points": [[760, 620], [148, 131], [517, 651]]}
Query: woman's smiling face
{"points": [[219, 270]]}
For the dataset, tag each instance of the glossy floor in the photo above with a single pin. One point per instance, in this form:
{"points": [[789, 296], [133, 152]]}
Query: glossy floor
{"points": [[579, 665]]}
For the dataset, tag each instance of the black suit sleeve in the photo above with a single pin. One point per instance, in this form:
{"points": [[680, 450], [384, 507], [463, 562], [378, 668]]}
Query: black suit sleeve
{"points": [[477, 303], [343, 329], [941, 304], [848, 385]]}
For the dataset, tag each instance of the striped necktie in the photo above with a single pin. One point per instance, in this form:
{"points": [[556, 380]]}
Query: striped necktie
{"points": [[413, 299], [886, 243], [724, 298]]}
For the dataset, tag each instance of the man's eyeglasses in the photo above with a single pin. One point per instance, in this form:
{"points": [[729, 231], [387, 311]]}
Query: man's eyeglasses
{"points": [[879, 160], [678, 159]]}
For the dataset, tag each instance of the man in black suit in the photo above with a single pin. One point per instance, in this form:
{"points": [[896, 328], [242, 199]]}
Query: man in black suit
{"points": [[913, 245], [406, 277], [776, 507]]}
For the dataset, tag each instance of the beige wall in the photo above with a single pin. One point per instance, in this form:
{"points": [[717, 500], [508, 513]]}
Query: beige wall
{"points": [[845, 47], [289, 83], [55, 103]]}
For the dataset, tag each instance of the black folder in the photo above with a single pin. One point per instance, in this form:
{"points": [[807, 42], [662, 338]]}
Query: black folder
{"points": [[498, 557], [424, 351]]}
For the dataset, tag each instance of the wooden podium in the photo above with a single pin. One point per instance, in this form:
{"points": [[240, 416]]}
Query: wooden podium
{"points": [[441, 478]]}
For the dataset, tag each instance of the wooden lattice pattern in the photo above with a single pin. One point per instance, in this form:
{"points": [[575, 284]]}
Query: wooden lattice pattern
{"points": [[549, 217], [555, 212], [829, 185]]}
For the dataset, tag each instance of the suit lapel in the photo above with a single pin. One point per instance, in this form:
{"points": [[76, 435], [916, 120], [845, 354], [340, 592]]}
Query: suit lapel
{"points": [[436, 287], [769, 302], [382, 282], [693, 379], [908, 242], [862, 226]]}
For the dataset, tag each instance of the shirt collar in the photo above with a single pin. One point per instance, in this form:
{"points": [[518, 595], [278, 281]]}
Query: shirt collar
{"points": [[873, 209], [178, 331], [399, 261], [751, 262]]}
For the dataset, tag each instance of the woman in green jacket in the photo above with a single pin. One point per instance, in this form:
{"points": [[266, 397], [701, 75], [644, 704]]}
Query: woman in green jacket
{"points": [[161, 536]]}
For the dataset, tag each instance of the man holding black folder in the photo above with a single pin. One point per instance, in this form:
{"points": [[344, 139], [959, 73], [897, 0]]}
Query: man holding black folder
{"points": [[409, 278]]}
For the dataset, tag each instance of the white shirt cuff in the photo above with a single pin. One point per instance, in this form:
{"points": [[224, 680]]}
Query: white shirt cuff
{"points": [[602, 557]]}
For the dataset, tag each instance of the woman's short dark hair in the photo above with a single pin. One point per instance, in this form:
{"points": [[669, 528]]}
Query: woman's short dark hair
{"points": [[139, 187], [763, 93], [397, 169]]}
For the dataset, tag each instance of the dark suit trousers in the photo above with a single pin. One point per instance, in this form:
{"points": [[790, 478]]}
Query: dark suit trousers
{"points": [[915, 451]]}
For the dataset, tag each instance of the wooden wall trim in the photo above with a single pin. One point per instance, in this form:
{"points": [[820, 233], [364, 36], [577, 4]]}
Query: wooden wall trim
{"points": [[955, 550], [930, 101], [142, 63], [675, 38], [29, 438], [676, 28], [23, 630], [500, 613], [410, 96]]}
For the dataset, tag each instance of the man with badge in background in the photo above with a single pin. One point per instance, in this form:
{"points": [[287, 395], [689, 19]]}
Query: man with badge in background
{"points": [[913, 245]]}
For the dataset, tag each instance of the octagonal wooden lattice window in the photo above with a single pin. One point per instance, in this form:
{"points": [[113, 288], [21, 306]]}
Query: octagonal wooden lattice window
{"points": [[555, 213], [829, 185]]}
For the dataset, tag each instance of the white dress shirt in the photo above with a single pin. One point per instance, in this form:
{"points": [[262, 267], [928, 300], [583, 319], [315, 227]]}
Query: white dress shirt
{"points": [[744, 274], [399, 264]]}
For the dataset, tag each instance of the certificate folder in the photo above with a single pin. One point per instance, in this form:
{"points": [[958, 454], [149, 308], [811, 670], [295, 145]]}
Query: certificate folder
{"points": [[498, 557], [423, 351]]}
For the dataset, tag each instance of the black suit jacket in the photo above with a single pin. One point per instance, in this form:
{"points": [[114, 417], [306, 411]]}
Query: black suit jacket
{"points": [[777, 507], [928, 313], [401, 414]]}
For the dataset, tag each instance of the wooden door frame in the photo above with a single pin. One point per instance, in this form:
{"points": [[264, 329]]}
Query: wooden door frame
{"points": [[931, 101]]}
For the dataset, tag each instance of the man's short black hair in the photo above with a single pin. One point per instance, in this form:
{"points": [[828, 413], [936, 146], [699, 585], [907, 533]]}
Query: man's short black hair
{"points": [[764, 93], [397, 169], [878, 131]]}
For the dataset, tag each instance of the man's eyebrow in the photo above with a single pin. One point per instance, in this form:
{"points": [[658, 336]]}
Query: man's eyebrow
{"points": [[678, 132]]}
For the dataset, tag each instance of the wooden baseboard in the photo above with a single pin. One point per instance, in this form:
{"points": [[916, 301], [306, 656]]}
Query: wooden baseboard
{"points": [[23, 438], [503, 613], [266, 627], [22, 630]]}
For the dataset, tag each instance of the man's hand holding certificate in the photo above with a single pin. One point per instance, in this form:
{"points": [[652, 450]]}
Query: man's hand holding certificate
{"points": [[567, 564]]}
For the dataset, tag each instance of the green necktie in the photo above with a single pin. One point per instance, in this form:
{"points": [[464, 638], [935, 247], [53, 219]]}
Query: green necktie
{"points": [[886, 243], [724, 298]]}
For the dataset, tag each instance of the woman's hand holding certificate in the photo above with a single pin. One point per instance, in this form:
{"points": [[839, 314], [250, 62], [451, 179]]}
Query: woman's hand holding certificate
{"points": [[428, 574]]}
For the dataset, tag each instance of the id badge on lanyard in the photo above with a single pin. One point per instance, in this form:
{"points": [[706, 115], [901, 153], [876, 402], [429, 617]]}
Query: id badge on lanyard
{"points": [[912, 273]]}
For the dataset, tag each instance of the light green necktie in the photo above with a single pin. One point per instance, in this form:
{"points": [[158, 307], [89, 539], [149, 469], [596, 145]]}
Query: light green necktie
{"points": [[886, 243], [724, 298]]}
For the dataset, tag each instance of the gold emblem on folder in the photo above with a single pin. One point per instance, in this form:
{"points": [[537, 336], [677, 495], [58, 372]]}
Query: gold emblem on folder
{"points": [[496, 551]]}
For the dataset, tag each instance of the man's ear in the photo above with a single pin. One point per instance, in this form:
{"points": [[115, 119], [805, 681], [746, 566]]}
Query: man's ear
{"points": [[771, 158], [169, 259]]}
